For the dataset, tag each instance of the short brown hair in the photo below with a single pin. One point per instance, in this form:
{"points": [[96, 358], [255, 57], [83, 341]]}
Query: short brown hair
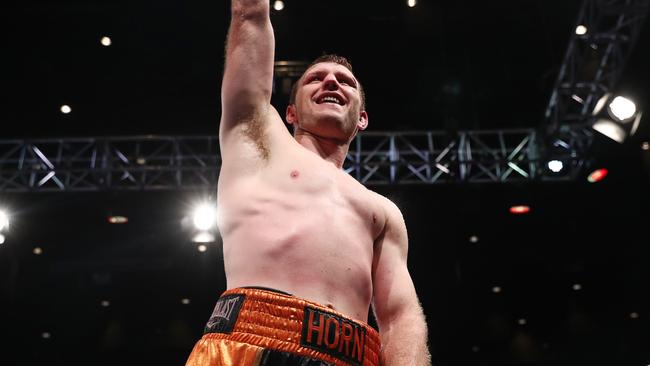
{"points": [[334, 59]]}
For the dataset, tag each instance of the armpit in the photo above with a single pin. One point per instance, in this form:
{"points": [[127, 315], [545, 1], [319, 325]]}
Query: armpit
{"points": [[255, 132]]}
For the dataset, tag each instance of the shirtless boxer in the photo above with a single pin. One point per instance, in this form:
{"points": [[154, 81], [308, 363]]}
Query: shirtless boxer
{"points": [[307, 249]]}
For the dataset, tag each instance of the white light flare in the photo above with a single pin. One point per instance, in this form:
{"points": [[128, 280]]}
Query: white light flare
{"points": [[278, 5], [622, 108], [205, 216], [581, 30], [411, 3], [65, 109], [106, 41]]}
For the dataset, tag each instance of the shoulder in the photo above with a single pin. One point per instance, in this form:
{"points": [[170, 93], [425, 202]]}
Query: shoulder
{"points": [[394, 219]]}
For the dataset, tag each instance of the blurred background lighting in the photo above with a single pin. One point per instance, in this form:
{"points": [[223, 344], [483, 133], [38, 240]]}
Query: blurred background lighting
{"points": [[105, 303], [185, 301], [496, 289], [38, 251], [2, 239], [597, 175], [203, 237], [645, 146], [522, 321], [473, 239], [411, 3], [118, 219], [577, 287], [4, 220], [555, 166], [46, 335], [634, 315], [205, 216], [581, 29], [202, 248], [519, 209], [65, 109], [106, 41], [278, 5]]}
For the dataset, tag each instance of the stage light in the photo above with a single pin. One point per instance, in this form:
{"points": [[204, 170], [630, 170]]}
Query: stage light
{"points": [[202, 248], [4, 220], [205, 216], [278, 5], [411, 3], [519, 209], [597, 175], [118, 219], [106, 41], [496, 289], [2, 239], [203, 237], [38, 251], [634, 315], [46, 335], [522, 321], [622, 108], [581, 29], [577, 287], [475, 349], [65, 109], [555, 166], [185, 301], [619, 120], [473, 239], [105, 303], [645, 146]]}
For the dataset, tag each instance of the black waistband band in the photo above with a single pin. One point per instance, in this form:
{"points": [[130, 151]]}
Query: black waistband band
{"points": [[267, 289]]}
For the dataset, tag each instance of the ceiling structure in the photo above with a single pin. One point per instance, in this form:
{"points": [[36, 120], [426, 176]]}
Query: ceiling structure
{"points": [[446, 66]]}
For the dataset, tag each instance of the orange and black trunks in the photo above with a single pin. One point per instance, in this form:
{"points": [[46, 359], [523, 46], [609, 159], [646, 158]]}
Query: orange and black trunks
{"points": [[255, 327]]}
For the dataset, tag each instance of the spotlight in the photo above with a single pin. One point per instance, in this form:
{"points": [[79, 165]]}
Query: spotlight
{"points": [[65, 109], [473, 239], [522, 321], [118, 219], [581, 29], [2, 239], [106, 41], [496, 289], [645, 146], [105, 303], [4, 220], [555, 166], [619, 120], [202, 248], [411, 3], [278, 5], [205, 216], [185, 301], [37, 251]]}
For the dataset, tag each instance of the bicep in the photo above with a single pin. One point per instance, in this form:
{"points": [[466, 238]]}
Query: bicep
{"points": [[393, 289], [248, 74]]}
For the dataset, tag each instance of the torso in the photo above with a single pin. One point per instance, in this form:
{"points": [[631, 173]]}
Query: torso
{"points": [[300, 225]]}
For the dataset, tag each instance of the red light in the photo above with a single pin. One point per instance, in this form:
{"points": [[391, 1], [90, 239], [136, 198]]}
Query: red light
{"points": [[518, 210], [597, 175]]}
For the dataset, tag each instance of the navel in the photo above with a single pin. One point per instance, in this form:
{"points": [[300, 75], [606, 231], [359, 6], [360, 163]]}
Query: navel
{"points": [[294, 174]]}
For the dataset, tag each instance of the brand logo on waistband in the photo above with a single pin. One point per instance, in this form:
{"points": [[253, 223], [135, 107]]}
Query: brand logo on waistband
{"points": [[225, 314], [334, 335]]}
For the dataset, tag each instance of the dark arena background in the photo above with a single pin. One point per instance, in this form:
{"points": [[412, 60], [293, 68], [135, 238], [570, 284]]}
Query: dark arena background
{"points": [[108, 139]]}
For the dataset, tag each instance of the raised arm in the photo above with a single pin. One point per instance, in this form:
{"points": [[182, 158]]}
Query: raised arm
{"points": [[248, 75], [401, 322]]}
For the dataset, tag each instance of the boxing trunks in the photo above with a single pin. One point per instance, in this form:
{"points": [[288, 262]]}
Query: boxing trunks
{"points": [[255, 327]]}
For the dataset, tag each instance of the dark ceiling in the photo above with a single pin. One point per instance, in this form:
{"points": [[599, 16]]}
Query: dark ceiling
{"points": [[462, 64]]}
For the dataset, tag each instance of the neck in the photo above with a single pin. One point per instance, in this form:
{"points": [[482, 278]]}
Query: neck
{"points": [[330, 150]]}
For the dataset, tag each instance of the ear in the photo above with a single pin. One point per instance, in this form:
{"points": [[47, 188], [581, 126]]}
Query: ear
{"points": [[363, 120], [290, 114]]}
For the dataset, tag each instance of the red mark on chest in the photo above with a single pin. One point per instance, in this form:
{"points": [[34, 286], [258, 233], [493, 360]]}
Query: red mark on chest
{"points": [[374, 218], [294, 174]]}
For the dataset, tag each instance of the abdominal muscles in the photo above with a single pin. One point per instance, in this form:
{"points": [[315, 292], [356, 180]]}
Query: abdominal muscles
{"points": [[315, 246]]}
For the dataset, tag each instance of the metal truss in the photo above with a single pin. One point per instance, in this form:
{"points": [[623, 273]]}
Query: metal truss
{"points": [[594, 61], [190, 162]]}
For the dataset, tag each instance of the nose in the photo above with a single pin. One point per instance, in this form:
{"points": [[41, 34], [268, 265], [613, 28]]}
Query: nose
{"points": [[330, 82]]}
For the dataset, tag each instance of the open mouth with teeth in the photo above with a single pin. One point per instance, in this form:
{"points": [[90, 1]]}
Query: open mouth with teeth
{"points": [[330, 99]]}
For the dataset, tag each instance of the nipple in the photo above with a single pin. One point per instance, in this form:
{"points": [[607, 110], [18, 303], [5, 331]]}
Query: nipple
{"points": [[294, 174]]}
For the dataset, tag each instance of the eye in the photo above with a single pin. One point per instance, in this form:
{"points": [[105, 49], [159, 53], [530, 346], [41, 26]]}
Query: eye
{"points": [[313, 78]]}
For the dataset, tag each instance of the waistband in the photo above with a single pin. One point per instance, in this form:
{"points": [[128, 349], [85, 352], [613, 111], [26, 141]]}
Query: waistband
{"points": [[280, 321]]}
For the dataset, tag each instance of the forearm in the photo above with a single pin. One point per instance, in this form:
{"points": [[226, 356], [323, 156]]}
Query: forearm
{"points": [[404, 342]]}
